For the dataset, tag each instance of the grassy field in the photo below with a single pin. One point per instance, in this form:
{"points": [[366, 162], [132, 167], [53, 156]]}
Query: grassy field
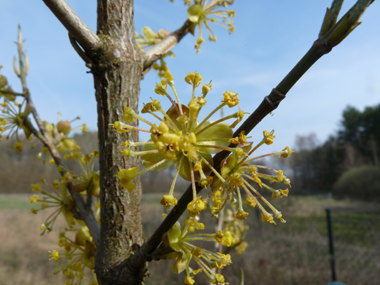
{"points": [[291, 253]]}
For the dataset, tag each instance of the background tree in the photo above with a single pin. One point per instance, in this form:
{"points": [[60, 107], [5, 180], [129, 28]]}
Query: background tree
{"points": [[362, 131], [118, 65]]}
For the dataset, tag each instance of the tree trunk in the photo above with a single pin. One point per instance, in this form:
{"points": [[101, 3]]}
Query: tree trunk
{"points": [[117, 68]]}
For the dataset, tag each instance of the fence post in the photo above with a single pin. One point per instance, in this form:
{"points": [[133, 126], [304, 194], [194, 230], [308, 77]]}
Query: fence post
{"points": [[331, 244]]}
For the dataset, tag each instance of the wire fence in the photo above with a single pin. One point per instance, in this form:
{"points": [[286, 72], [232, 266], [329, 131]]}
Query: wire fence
{"points": [[298, 252], [357, 245]]}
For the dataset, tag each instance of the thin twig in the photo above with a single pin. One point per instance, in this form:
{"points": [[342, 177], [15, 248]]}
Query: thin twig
{"points": [[167, 44], [74, 25]]}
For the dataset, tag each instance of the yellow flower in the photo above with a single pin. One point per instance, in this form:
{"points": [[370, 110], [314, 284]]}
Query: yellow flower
{"points": [[268, 218], [161, 88], [18, 146], [268, 137], [220, 278], [225, 238], [206, 88], [168, 201], [189, 280], [251, 201], [230, 98], [34, 198], [276, 194], [54, 255], [241, 214], [125, 178], [84, 128], [193, 78], [225, 259], [284, 192], [191, 222], [128, 114], [36, 187], [286, 152], [196, 206]]}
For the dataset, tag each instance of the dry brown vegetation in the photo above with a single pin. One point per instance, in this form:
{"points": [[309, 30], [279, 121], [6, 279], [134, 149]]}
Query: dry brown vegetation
{"points": [[291, 253]]}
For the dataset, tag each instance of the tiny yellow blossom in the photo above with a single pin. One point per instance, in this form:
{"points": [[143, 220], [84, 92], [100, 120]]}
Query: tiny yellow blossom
{"points": [[168, 201], [286, 152], [54, 255], [251, 201], [36, 187], [230, 98], [206, 88], [284, 192], [34, 198], [84, 128], [193, 78], [268, 137], [196, 206], [126, 176], [268, 218], [241, 214], [18, 146], [189, 280]]}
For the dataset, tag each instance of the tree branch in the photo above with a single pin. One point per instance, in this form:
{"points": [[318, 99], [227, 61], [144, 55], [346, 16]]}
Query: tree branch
{"points": [[74, 25], [167, 44]]}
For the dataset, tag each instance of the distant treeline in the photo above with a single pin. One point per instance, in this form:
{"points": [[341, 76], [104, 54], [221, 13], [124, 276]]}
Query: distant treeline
{"points": [[316, 168], [18, 170]]}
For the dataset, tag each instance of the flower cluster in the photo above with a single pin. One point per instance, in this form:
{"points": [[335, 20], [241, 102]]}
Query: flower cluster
{"points": [[59, 134], [59, 197], [80, 254], [13, 115], [236, 174], [237, 228], [201, 13], [180, 240], [80, 251], [179, 139], [182, 140]]}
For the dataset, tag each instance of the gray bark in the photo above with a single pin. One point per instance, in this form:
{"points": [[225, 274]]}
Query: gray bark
{"points": [[117, 68]]}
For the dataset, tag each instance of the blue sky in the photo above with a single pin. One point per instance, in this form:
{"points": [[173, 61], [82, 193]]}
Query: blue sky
{"points": [[270, 37]]}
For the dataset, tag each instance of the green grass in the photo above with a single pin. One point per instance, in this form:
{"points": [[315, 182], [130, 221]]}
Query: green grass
{"points": [[18, 202]]}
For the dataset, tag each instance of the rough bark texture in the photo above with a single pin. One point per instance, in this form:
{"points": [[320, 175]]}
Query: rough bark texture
{"points": [[117, 68]]}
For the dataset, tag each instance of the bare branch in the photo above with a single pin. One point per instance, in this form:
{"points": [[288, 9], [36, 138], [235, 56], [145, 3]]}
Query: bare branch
{"points": [[74, 25], [164, 46]]}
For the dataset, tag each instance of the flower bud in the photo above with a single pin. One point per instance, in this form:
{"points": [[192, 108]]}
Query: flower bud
{"points": [[162, 33], [64, 127], [3, 81]]}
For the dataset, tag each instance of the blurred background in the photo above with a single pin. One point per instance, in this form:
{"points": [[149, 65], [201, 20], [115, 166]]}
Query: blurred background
{"points": [[330, 118]]}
